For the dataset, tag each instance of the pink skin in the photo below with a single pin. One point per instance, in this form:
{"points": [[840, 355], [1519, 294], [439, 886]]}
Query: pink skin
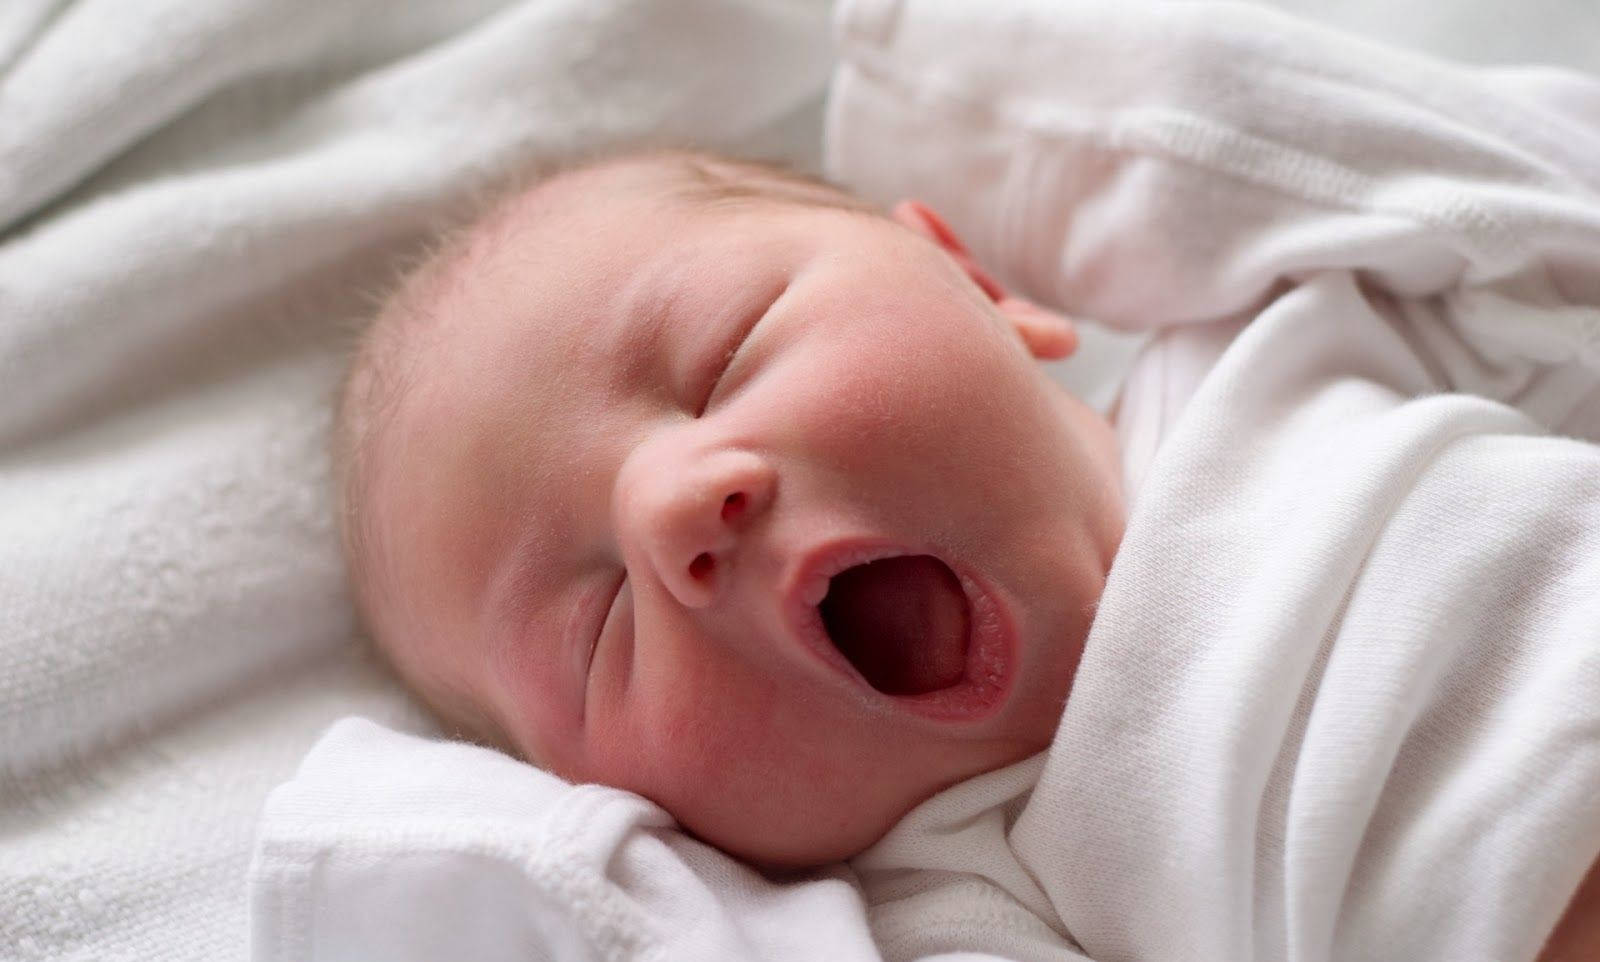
{"points": [[599, 534]]}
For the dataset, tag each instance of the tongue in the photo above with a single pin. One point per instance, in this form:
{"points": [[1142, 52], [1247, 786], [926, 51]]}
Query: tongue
{"points": [[901, 621]]}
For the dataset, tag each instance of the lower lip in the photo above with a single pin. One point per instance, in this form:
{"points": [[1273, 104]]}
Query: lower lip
{"points": [[991, 654]]}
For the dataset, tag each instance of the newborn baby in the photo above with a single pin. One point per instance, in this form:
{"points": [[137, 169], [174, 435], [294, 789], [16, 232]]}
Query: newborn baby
{"points": [[686, 476], [697, 478]]}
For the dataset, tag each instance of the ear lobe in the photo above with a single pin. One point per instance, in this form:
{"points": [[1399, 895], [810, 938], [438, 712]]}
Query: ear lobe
{"points": [[1047, 335], [921, 219]]}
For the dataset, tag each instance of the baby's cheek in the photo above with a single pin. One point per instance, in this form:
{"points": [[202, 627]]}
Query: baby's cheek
{"points": [[705, 728]]}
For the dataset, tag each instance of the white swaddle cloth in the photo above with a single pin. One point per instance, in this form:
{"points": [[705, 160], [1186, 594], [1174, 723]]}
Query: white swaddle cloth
{"points": [[1341, 699]]}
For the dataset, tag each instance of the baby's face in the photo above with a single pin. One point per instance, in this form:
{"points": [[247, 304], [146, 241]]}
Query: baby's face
{"points": [[762, 511]]}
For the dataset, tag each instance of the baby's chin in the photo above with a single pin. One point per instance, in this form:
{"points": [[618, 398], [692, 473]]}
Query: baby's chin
{"points": [[810, 822], [806, 838]]}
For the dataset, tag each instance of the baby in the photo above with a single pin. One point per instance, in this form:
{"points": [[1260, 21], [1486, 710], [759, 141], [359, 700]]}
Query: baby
{"points": [[688, 476], [697, 478], [701, 479]]}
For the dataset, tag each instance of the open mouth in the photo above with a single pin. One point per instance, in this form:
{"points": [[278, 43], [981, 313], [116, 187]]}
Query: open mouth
{"points": [[913, 628], [903, 622]]}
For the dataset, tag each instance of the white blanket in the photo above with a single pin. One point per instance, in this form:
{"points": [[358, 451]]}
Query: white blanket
{"points": [[1342, 695], [195, 198]]}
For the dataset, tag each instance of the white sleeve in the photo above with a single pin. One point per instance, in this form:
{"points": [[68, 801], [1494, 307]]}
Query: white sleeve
{"points": [[1146, 165], [389, 846]]}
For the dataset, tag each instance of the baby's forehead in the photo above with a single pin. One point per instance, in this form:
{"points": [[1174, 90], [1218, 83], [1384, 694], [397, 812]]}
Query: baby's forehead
{"points": [[553, 297], [559, 283], [665, 185], [560, 301], [694, 176], [559, 241], [594, 239], [659, 185], [576, 235]]}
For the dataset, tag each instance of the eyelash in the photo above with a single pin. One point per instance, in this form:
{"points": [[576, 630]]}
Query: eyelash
{"points": [[716, 379], [726, 360]]}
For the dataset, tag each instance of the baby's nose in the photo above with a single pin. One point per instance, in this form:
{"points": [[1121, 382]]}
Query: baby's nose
{"points": [[690, 515]]}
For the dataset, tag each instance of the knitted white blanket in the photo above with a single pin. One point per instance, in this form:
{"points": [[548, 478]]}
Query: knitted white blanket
{"points": [[1341, 699]]}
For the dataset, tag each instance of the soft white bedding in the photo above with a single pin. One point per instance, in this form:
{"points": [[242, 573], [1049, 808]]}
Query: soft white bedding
{"points": [[192, 198]]}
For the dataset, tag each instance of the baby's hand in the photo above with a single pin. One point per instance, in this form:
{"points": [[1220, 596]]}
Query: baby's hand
{"points": [[1050, 336]]}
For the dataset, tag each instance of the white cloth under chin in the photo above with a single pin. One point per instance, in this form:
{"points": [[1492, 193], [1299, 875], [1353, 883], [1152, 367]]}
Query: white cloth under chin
{"points": [[1341, 698]]}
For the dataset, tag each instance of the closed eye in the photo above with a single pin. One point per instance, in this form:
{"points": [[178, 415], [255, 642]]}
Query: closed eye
{"points": [[729, 353], [722, 369], [615, 629], [716, 379]]}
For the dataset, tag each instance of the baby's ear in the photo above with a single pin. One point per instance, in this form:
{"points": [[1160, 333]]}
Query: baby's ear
{"points": [[1048, 335]]}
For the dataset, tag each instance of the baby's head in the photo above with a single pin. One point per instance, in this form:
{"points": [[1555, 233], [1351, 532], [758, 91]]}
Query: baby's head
{"points": [[700, 479]]}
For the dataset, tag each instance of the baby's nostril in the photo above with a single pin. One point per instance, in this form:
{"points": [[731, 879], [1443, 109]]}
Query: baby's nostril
{"points": [[702, 566], [733, 506]]}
